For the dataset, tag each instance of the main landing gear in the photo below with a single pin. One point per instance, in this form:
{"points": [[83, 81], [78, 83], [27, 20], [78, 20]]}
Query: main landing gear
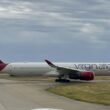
{"points": [[62, 80]]}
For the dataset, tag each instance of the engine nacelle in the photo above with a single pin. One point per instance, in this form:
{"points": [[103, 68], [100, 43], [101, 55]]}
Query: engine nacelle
{"points": [[87, 75]]}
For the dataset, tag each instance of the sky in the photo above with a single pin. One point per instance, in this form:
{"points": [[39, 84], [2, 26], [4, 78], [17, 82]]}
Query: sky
{"points": [[58, 30]]}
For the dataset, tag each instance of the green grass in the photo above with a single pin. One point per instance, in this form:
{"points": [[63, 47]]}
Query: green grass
{"points": [[95, 92], [6, 76], [26, 78], [88, 92], [102, 77]]}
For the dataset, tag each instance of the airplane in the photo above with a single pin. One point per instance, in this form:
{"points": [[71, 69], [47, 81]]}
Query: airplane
{"points": [[64, 71]]}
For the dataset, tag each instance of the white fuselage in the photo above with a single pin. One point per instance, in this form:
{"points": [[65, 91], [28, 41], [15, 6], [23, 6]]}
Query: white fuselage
{"points": [[44, 69]]}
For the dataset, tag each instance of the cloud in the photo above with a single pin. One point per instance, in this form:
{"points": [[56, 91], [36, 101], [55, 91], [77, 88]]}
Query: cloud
{"points": [[59, 29], [90, 28], [14, 9]]}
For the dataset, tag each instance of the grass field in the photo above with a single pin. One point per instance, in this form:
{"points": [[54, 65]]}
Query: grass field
{"points": [[102, 77], [89, 92], [6, 76], [26, 78], [95, 92]]}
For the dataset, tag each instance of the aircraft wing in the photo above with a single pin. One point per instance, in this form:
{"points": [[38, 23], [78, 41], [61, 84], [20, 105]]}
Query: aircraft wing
{"points": [[72, 73]]}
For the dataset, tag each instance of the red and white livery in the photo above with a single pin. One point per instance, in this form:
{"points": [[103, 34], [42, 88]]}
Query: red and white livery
{"points": [[64, 71]]}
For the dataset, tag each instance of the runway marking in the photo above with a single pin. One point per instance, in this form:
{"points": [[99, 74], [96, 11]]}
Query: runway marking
{"points": [[46, 109]]}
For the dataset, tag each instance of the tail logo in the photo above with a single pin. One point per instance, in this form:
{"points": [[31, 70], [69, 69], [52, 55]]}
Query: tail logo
{"points": [[2, 65]]}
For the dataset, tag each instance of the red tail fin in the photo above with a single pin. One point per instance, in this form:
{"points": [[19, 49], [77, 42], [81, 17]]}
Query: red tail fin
{"points": [[1, 62]]}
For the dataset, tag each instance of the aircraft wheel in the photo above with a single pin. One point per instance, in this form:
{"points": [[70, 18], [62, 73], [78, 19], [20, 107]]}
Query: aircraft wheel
{"points": [[62, 80], [12, 75]]}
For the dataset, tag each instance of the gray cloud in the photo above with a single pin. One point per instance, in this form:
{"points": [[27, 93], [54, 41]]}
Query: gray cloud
{"points": [[57, 29]]}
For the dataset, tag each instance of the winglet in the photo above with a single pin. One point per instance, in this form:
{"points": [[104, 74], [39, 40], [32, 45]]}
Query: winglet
{"points": [[50, 63]]}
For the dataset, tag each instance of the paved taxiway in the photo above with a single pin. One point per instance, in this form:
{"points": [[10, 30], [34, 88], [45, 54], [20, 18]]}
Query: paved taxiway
{"points": [[29, 95]]}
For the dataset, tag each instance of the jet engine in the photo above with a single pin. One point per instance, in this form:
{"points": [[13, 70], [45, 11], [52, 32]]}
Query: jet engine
{"points": [[87, 75]]}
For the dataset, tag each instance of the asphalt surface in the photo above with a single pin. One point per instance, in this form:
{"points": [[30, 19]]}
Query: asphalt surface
{"points": [[31, 95]]}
